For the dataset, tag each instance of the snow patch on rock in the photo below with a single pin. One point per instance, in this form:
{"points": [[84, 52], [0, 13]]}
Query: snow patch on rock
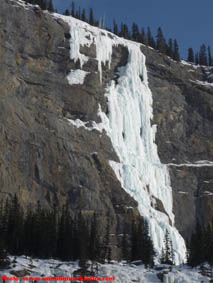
{"points": [[76, 76]]}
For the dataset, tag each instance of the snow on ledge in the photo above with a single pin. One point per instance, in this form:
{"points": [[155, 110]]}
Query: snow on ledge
{"points": [[80, 124], [77, 76], [25, 5], [203, 83], [201, 163], [90, 125], [190, 64]]}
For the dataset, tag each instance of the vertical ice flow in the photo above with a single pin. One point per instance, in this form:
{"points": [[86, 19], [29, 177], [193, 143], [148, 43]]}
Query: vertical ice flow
{"points": [[140, 170], [128, 125]]}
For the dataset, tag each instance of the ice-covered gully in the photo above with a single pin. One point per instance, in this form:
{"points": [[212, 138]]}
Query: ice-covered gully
{"points": [[128, 125]]}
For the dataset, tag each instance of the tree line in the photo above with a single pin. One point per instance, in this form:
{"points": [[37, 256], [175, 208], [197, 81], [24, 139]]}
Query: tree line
{"points": [[203, 57], [137, 34], [56, 234], [52, 233], [158, 42], [200, 247], [170, 48]]}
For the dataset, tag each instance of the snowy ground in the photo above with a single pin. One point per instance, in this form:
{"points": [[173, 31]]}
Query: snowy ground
{"points": [[122, 272]]}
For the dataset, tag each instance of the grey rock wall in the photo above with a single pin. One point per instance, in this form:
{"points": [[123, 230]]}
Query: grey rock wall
{"points": [[42, 156], [183, 112], [45, 158]]}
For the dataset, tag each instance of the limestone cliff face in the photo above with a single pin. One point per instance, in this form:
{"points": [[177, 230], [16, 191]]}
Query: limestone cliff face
{"points": [[183, 112], [43, 157]]}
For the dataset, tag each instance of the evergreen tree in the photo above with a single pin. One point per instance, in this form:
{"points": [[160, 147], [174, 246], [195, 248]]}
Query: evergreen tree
{"points": [[78, 14], [167, 253], [135, 32], [50, 6], [39, 228], [4, 222], [67, 13], [125, 247], [203, 56], [124, 31], [1, 219], [46, 233], [29, 232], [208, 245], [191, 55], [83, 16], [142, 246], [15, 226], [115, 28], [96, 23], [200, 249], [162, 258], [170, 51], [109, 29], [196, 248], [148, 248], [176, 55], [91, 17], [51, 233], [65, 236], [197, 59], [143, 38], [73, 9], [42, 4], [121, 33], [83, 234], [161, 43], [150, 39], [149, 36], [4, 259], [94, 240], [75, 239], [210, 56], [106, 240], [61, 236], [134, 240]]}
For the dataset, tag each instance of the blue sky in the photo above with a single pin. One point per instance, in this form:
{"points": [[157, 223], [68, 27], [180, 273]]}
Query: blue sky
{"points": [[189, 21]]}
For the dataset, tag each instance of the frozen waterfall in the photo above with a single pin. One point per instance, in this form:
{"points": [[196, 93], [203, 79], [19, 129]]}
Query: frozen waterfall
{"points": [[128, 125]]}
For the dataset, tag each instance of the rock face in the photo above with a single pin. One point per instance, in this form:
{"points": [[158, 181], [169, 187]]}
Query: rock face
{"points": [[45, 158], [183, 112]]}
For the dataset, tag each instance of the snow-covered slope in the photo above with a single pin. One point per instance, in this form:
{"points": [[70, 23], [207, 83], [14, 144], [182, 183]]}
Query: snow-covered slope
{"points": [[123, 273], [128, 124]]}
